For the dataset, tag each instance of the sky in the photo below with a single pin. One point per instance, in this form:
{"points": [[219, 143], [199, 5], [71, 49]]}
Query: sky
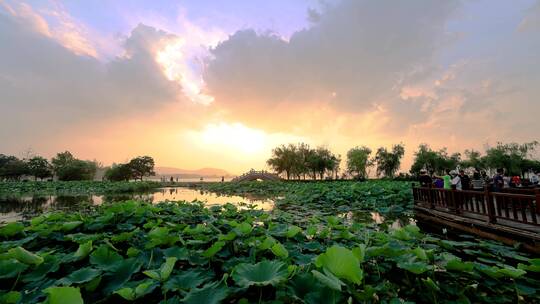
{"points": [[202, 83]]}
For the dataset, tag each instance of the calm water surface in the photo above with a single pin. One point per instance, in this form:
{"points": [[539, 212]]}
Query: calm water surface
{"points": [[24, 207]]}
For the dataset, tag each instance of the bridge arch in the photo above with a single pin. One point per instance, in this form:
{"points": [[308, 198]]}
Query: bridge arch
{"points": [[256, 175]]}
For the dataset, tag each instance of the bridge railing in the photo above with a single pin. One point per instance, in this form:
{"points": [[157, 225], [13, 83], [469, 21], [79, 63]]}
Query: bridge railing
{"points": [[492, 206]]}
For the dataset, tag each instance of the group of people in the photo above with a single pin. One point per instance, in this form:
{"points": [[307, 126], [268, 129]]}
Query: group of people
{"points": [[461, 181]]}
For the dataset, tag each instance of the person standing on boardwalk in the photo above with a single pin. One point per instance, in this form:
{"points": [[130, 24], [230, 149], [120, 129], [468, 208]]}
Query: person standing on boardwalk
{"points": [[456, 180], [424, 179], [447, 180], [534, 178], [498, 181], [465, 180]]}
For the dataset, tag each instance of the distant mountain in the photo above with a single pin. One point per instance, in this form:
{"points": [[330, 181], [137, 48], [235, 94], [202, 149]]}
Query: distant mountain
{"points": [[204, 172]]}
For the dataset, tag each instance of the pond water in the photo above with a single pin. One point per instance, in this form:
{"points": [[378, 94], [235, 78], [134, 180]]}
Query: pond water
{"points": [[24, 207]]}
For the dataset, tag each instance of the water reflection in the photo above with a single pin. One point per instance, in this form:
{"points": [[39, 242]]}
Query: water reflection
{"points": [[25, 207]]}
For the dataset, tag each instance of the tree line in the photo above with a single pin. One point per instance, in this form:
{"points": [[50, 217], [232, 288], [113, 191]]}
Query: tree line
{"points": [[66, 167], [300, 161], [513, 158]]}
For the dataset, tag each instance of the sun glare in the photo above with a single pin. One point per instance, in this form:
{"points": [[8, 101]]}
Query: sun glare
{"points": [[236, 136], [179, 66]]}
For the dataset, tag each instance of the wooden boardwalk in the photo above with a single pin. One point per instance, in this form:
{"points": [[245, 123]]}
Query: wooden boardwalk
{"points": [[507, 217]]}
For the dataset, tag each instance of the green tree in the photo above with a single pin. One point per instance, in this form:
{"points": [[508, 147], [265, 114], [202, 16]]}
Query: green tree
{"points": [[118, 172], [324, 160], [12, 168], [473, 160], [285, 158], [436, 161], [304, 154], [388, 162], [510, 157], [67, 168], [142, 166], [39, 167], [358, 161]]}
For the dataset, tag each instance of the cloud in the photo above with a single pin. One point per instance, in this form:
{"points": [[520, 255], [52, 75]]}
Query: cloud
{"points": [[531, 22], [354, 55], [45, 83]]}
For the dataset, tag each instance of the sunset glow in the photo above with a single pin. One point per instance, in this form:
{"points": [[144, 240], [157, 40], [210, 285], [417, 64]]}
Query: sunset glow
{"points": [[221, 84]]}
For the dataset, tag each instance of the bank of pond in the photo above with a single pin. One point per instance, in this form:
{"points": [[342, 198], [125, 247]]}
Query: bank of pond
{"points": [[343, 242]]}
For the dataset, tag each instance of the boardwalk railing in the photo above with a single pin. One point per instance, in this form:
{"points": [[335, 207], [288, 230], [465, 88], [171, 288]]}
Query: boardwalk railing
{"points": [[493, 207]]}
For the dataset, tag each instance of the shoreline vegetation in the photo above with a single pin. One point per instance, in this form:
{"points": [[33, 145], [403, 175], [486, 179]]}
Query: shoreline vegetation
{"points": [[16, 188]]}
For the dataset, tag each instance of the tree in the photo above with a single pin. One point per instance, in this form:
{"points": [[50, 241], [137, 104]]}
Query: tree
{"points": [[511, 156], [142, 166], [436, 161], [304, 154], [12, 168], [358, 160], [323, 160], [388, 163], [473, 160], [39, 167], [284, 159], [67, 168], [119, 172]]}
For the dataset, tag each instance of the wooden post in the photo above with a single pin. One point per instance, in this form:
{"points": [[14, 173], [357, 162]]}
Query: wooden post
{"points": [[453, 206], [430, 197], [490, 205], [537, 195]]}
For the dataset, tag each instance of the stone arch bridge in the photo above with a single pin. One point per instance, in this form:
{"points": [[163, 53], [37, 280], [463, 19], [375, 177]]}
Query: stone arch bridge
{"points": [[253, 175]]}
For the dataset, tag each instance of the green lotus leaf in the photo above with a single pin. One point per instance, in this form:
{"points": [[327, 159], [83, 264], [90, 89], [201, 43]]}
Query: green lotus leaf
{"points": [[187, 280], [50, 264], [416, 267], [458, 265], [267, 243], [139, 291], [215, 248], [105, 258], [511, 272], [93, 284], [83, 251], [64, 295], [10, 268], [293, 231], [212, 293], [279, 250], [243, 228], [24, 256], [328, 280], [420, 253], [68, 226], [12, 297], [260, 274], [164, 272], [82, 275], [180, 253], [342, 263], [360, 252], [431, 285], [122, 272], [11, 229]]}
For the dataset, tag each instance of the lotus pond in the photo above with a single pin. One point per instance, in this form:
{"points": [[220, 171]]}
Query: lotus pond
{"points": [[313, 247]]}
